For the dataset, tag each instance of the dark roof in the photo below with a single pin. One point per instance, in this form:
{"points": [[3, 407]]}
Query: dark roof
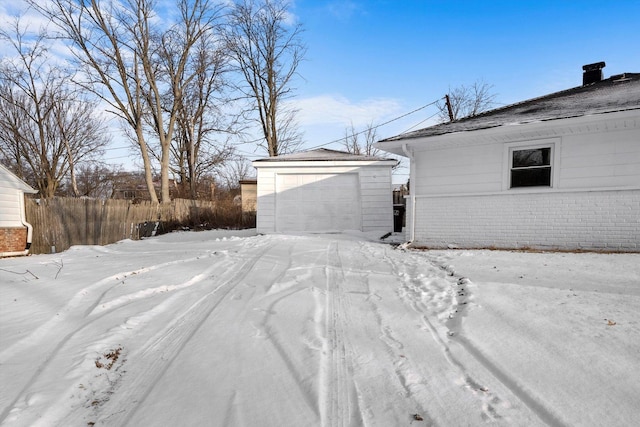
{"points": [[322, 154], [617, 93]]}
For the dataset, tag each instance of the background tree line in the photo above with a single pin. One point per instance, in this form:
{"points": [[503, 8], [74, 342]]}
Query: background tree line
{"points": [[184, 84]]}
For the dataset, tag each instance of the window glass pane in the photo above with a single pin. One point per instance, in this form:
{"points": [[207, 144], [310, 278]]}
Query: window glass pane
{"points": [[531, 177], [533, 157]]}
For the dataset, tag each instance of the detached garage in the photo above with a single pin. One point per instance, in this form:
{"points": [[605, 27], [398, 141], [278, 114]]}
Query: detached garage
{"points": [[324, 191]]}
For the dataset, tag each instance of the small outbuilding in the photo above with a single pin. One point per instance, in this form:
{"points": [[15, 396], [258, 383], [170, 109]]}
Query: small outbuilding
{"points": [[15, 231], [324, 190], [561, 171]]}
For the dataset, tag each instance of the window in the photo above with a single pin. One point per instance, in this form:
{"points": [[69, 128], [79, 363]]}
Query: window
{"points": [[530, 167]]}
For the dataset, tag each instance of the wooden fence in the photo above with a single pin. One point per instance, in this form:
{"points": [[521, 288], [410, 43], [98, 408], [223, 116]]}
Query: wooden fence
{"points": [[59, 223]]}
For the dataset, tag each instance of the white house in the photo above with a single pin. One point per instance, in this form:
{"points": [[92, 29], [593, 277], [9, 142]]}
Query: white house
{"points": [[324, 191], [557, 172], [15, 231]]}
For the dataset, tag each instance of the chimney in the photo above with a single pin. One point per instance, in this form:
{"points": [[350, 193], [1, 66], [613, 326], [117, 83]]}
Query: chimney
{"points": [[592, 73]]}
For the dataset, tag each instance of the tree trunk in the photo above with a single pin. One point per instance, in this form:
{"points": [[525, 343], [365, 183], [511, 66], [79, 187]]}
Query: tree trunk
{"points": [[146, 162], [192, 166]]}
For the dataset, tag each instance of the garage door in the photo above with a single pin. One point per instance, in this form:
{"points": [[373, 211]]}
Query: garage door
{"points": [[317, 202]]}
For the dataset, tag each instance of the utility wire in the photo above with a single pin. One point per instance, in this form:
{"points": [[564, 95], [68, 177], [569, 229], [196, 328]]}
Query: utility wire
{"points": [[327, 143], [377, 126], [420, 122], [119, 157]]}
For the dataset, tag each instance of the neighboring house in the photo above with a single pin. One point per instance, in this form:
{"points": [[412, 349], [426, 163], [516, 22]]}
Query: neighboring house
{"points": [[324, 191], [15, 231], [557, 172]]}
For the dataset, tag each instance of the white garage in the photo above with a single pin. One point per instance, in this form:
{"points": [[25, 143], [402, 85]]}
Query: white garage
{"points": [[324, 191]]}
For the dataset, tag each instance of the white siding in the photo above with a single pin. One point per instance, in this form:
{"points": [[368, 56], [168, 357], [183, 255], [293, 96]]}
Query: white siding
{"points": [[463, 197], [600, 160], [373, 188], [266, 213], [12, 192], [377, 199], [10, 207], [475, 168]]}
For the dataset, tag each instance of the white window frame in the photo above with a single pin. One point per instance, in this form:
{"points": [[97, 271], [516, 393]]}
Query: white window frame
{"points": [[554, 146]]}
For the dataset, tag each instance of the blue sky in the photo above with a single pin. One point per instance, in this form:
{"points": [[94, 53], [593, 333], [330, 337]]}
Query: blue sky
{"points": [[372, 61]]}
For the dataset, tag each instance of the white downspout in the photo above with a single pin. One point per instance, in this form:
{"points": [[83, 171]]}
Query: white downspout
{"points": [[23, 219], [412, 196], [24, 222]]}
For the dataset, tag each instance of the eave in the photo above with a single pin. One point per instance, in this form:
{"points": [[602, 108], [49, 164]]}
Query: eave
{"points": [[602, 122]]}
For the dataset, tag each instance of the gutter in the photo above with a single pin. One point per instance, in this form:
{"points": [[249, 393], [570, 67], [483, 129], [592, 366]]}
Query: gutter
{"points": [[412, 195], [24, 222]]}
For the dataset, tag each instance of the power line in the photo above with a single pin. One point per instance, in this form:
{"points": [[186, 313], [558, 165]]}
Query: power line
{"points": [[317, 146], [119, 157], [420, 122], [377, 126], [116, 148]]}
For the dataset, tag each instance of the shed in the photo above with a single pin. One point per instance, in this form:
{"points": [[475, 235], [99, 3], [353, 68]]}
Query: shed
{"points": [[561, 171], [324, 190], [15, 231]]}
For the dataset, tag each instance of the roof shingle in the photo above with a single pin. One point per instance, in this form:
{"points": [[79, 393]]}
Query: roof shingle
{"points": [[617, 93]]}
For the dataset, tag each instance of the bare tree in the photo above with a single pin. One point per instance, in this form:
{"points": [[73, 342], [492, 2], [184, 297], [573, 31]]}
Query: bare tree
{"points": [[135, 64], [201, 140], [467, 101], [174, 67], [104, 37], [96, 181], [267, 49], [46, 128], [239, 168], [361, 143]]}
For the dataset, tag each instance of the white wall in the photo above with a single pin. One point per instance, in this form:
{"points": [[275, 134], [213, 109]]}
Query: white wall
{"points": [[608, 159], [266, 203], [601, 220], [10, 215], [468, 169], [375, 189], [462, 196], [376, 195], [599, 160]]}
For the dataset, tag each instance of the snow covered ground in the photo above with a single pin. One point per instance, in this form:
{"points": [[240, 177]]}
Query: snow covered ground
{"points": [[231, 329]]}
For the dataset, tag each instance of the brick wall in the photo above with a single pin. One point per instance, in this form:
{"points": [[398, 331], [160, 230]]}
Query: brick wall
{"points": [[13, 239], [590, 220]]}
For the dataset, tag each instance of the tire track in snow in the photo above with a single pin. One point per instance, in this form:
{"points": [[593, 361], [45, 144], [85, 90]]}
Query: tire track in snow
{"points": [[78, 308], [53, 335], [73, 415], [282, 291], [75, 317], [338, 394], [408, 379], [165, 346]]}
